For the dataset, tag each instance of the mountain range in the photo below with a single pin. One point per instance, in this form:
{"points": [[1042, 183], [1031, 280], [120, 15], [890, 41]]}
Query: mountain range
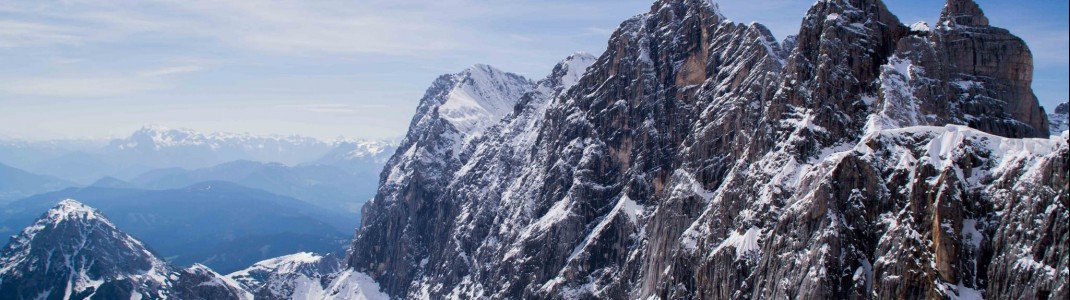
{"points": [[16, 184], [157, 147], [699, 158], [309, 205], [326, 186], [339, 175]]}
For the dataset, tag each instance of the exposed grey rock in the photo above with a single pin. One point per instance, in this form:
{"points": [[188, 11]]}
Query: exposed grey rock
{"points": [[200, 282], [697, 158], [404, 220], [962, 72], [701, 158], [1060, 119]]}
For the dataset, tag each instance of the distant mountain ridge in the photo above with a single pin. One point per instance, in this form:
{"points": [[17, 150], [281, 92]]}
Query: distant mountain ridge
{"points": [[16, 184], [167, 147], [155, 147], [344, 186]]}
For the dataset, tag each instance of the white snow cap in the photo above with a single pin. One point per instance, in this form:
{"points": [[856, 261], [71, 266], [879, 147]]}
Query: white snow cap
{"points": [[483, 96], [919, 26], [576, 65], [71, 209], [283, 264]]}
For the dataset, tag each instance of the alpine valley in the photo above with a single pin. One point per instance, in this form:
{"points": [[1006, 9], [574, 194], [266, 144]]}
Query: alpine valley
{"points": [[696, 158]]}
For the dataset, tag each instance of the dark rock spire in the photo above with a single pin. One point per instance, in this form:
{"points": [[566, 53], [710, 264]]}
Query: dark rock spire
{"points": [[962, 12]]}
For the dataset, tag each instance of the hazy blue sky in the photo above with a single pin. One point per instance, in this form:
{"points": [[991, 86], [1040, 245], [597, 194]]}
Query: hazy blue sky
{"points": [[331, 68]]}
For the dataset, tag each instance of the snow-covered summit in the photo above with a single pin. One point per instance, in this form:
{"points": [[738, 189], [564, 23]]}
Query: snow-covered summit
{"points": [[287, 264], [79, 252], [72, 209], [74, 252], [162, 147], [347, 152], [920, 26], [157, 137], [575, 66], [306, 275], [481, 96]]}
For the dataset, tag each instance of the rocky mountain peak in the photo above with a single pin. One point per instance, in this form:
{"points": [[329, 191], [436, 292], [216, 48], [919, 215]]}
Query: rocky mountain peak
{"points": [[78, 252], [962, 13], [700, 158], [1059, 121], [828, 75], [70, 209], [479, 96], [572, 68], [74, 252], [690, 6], [966, 72], [856, 17], [1063, 108]]}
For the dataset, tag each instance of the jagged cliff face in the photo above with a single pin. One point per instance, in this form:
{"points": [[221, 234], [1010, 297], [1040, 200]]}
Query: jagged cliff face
{"points": [[74, 252], [404, 221], [700, 158]]}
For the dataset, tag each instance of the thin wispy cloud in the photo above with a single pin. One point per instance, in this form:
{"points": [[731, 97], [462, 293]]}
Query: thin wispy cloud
{"points": [[20, 34], [598, 30], [333, 108], [81, 86], [340, 27], [401, 28], [96, 85], [171, 70]]}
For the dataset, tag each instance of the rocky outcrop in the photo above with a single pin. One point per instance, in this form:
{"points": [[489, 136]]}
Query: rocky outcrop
{"points": [[294, 276], [200, 282], [1059, 120], [701, 158], [963, 71], [404, 221]]}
